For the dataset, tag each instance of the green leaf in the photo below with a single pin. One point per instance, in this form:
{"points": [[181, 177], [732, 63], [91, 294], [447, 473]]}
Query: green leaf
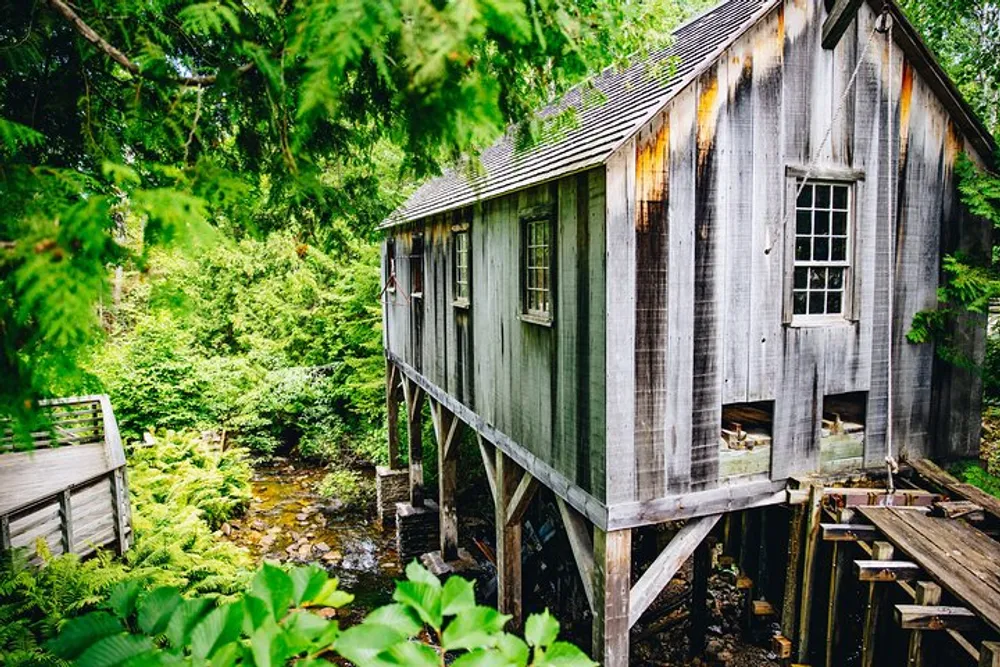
{"points": [[514, 649], [307, 582], [423, 599], [484, 658], [267, 645], [220, 627], [541, 629], [457, 596], [275, 588], [362, 643], [563, 654], [114, 650], [184, 619], [79, 633], [478, 627], [156, 609], [418, 573], [411, 654], [303, 629], [123, 597], [331, 596], [399, 617]]}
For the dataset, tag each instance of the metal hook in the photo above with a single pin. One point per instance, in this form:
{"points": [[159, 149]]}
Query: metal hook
{"points": [[884, 20]]}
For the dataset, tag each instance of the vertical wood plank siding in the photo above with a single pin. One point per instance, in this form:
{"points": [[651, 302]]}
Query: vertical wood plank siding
{"points": [[765, 104], [675, 254], [543, 386]]}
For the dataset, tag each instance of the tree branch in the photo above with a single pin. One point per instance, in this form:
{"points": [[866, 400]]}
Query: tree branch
{"points": [[94, 38]]}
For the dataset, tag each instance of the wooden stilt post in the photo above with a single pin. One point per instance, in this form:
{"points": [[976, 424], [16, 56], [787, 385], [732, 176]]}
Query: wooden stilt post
{"points": [[811, 547], [838, 563], [447, 429], [989, 654], [789, 606], [508, 476], [699, 598], [414, 423], [880, 551], [612, 584], [929, 594], [392, 412]]}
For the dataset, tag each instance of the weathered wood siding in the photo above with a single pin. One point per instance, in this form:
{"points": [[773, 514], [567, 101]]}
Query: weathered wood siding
{"points": [[542, 386], [706, 241]]}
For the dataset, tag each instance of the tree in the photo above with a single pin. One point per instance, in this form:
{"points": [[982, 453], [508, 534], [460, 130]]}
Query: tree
{"points": [[168, 120]]}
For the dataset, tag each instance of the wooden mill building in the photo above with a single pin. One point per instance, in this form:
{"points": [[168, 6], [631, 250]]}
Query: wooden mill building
{"points": [[699, 292]]}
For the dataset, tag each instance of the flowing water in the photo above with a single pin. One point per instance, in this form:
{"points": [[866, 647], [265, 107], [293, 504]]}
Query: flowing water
{"points": [[289, 522]]}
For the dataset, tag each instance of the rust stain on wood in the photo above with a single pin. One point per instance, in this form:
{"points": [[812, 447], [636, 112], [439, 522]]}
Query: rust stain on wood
{"points": [[651, 172], [905, 107], [708, 113]]}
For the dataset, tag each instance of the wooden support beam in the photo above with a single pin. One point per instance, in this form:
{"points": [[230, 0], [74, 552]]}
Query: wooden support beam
{"points": [[881, 551], [878, 497], [814, 511], [838, 563], [880, 571], [699, 598], [392, 392], [521, 499], [847, 532], [119, 503], [581, 544], [446, 430], [933, 473], [840, 19], [5, 533], [612, 573], [789, 604], [414, 395], [66, 516], [508, 474], [935, 617], [488, 454], [662, 570], [960, 509], [989, 654]]}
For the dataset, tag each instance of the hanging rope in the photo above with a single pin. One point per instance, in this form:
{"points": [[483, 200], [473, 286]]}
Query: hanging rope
{"points": [[818, 153], [885, 25]]}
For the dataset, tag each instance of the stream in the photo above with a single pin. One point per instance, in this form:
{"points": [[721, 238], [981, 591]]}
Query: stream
{"points": [[288, 521]]}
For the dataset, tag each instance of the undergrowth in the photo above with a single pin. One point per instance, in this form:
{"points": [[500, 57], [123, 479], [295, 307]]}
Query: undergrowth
{"points": [[182, 489]]}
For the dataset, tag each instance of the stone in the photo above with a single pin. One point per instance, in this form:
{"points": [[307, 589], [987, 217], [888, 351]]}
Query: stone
{"points": [[305, 551], [226, 529], [322, 547], [416, 530], [391, 487]]}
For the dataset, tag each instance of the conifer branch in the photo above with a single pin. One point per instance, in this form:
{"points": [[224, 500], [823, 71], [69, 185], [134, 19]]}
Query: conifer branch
{"points": [[115, 54]]}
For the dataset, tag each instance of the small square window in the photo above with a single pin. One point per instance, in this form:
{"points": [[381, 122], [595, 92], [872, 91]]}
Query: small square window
{"points": [[536, 275], [822, 248], [462, 287]]}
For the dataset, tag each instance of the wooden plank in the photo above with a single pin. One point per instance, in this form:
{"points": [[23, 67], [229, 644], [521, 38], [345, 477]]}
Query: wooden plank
{"points": [[66, 517], [789, 604], [489, 464], [989, 654], [962, 509], [886, 570], [729, 498], [392, 412], [838, 564], [119, 503], [881, 552], [949, 484], [581, 544], [812, 528], [612, 572], [662, 570], [446, 427], [26, 476], [4, 533], [847, 532], [508, 542], [935, 617], [699, 598], [414, 395], [961, 559], [838, 21], [521, 498], [860, 497]]}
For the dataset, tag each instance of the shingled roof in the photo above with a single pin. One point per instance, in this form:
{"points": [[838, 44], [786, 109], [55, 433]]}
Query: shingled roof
{"points": [[632, 96]]}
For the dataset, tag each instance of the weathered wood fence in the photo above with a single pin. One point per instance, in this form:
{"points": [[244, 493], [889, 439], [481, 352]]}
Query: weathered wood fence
{"points": [[70, 489]]}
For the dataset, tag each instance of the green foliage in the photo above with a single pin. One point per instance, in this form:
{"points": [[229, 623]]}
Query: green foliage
{"points": [[971, 472], [275, 623], [350, 487], [182, 489], [185, 116]]}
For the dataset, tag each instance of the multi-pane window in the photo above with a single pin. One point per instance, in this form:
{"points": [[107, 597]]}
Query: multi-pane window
{"points": [[538, 267], [417, 266], [822, 248], [462, 266]]}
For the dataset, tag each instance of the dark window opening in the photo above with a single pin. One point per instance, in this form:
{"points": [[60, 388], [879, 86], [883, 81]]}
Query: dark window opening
{"points": [[417, 266], [390, 265], [745, 439]]}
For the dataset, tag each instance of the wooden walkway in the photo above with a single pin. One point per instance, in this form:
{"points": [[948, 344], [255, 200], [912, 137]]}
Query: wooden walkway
{"points": [[960, 558]]}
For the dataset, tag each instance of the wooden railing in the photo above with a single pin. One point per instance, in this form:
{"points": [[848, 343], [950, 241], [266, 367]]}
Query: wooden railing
{"points": [[69, 488]]}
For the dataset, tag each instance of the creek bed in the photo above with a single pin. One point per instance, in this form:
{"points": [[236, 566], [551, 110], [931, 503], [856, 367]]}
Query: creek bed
{"points": [[288, 521]]}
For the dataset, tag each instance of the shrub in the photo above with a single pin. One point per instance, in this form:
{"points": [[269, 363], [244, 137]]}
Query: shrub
{"points": [[274, 623], [350, 487]]}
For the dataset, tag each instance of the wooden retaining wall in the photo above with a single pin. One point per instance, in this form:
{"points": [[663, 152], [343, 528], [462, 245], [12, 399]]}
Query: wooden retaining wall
{"points": [[70, 489]]}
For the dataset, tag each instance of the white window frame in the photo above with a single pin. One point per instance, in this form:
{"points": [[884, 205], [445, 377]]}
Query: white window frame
{"points": [[543, 214], [836, 177], [462, 300]]}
